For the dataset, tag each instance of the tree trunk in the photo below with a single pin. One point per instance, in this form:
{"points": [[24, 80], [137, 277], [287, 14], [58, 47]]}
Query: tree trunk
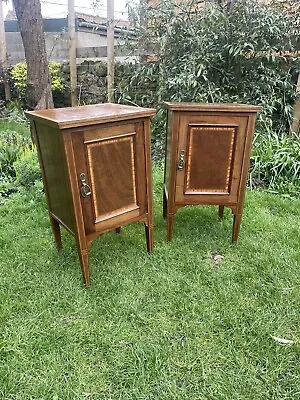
{"points": [[38, 79]]}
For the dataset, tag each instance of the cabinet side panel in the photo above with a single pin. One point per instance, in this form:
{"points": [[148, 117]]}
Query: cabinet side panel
{"points": [[56, 179], [142, 166]]}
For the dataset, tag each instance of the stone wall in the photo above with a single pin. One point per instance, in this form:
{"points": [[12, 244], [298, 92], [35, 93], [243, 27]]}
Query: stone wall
{"points": [[92, 85]]}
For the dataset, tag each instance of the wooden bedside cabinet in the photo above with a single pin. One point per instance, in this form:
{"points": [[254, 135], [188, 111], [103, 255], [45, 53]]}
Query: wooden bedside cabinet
{"points": [[96, 167], [207, 157]]}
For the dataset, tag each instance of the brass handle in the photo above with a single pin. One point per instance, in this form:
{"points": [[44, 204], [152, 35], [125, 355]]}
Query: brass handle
{"points": [[181, 160], [85, 189]]}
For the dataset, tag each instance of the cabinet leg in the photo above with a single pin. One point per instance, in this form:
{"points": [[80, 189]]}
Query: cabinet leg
{"points": [[170, 221], [236, 227], [56, 233], [149, 231], [221, 211], [165, 205], [84, 262]]}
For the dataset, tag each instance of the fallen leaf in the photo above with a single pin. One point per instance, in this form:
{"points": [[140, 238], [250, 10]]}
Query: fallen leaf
{"points": [[217, 258], [282, 340]]}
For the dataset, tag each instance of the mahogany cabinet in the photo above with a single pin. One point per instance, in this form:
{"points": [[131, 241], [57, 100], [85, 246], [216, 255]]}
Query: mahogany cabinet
{"points": [[207, 157], [96, 167]]}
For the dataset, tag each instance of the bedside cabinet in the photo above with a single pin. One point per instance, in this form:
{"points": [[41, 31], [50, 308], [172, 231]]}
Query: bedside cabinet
{"points": [[207, 157], [96, 168]]}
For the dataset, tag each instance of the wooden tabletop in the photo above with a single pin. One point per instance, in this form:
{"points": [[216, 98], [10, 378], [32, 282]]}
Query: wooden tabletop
{"points": [[70, 117]]}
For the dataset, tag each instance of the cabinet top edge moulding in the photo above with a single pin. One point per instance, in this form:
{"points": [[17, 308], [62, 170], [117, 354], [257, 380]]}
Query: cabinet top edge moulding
{"points": [[212, 107], [72, 117]]}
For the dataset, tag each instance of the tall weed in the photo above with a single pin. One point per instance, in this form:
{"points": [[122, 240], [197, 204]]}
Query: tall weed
{"points": [[276, 163], [12, 146]]}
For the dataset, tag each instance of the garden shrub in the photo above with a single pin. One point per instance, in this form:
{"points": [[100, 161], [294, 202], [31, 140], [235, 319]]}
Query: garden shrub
{"points": [[12, 146], [239, 53], [27, 168], [19, 77], [7, 186], [276, 163], [18, 162], [225, 51], [13, 112]]}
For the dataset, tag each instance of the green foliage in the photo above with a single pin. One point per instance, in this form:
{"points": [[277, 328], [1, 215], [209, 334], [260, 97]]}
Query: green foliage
{"points": [[12, 146], [225, 51], [222, 54], [7, 186], [57, 82], [19, 77], [13, 114], [139, 84], [276, 163], [27, 168], [18, 159]]}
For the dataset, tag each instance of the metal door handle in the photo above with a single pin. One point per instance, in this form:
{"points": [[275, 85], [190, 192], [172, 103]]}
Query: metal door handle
{"points": [[181, 161], [85, 188]]}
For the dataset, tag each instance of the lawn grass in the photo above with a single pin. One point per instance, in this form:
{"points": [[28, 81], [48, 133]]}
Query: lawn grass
{"points": [[174, 324]]}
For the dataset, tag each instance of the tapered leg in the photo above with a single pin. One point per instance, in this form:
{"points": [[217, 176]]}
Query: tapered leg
{"points": [[165, 205], [84, 262], [149, 231], [170, 221], [236, 227], [56, 233], [118, 230], [82, 248], [221, 211]]}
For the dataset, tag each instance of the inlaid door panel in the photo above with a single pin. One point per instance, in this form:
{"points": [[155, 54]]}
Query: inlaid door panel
{"points": [[114, 174], [208, 160], [112, 171]]}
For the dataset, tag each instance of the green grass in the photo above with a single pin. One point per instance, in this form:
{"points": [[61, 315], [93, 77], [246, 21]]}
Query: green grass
{"points": [[170, 325]]}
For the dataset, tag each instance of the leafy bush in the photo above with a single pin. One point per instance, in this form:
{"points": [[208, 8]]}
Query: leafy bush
{"points": [[276, 164], [18, 162], [7, 186], [12, 146], [19, 77], [225, 51], [237, 52], [57, 81], [13, 113], [27, 169]]}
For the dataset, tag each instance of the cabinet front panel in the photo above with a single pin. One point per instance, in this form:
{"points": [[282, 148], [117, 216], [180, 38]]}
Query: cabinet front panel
{"points": [[210, 158], [112, 159], [112, 171]]}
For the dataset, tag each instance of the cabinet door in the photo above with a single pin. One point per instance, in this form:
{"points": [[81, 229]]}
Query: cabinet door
{"points": [[210, 158], [111, 161]]}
